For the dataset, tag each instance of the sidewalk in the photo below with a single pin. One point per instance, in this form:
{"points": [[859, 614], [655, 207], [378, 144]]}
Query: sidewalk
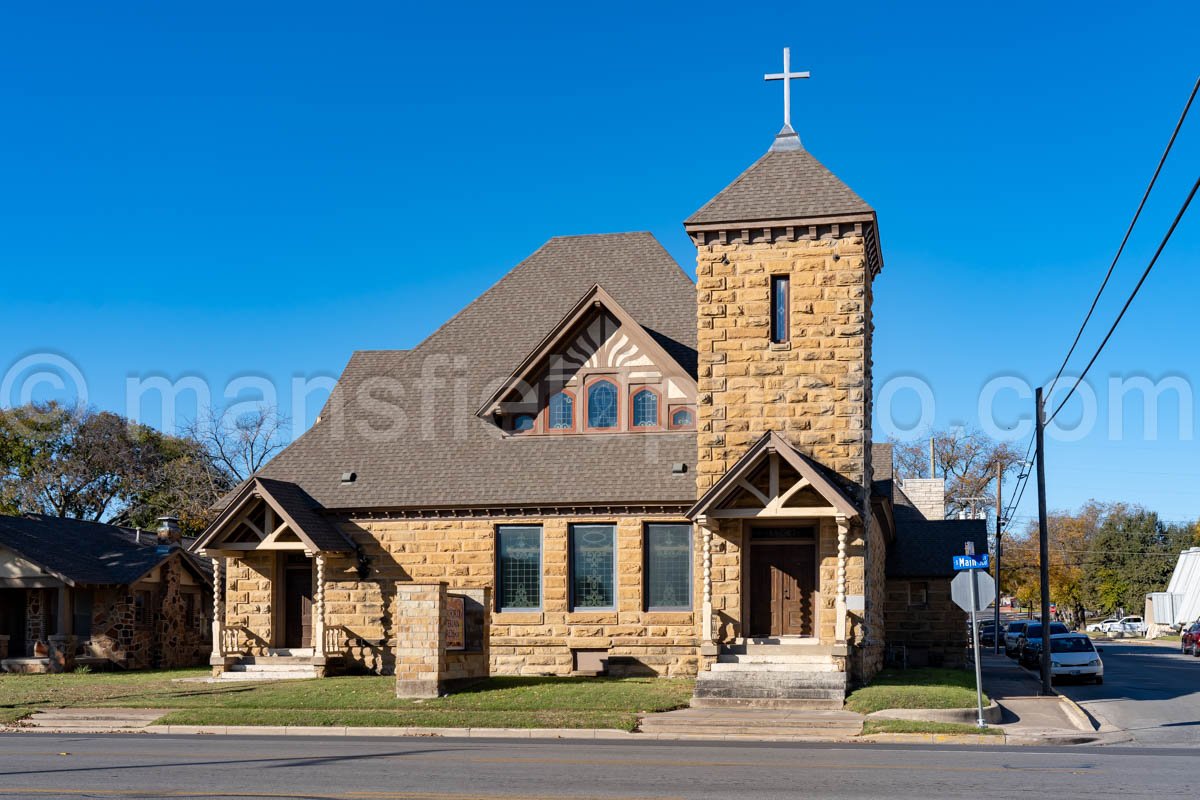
{"points": [[1029, 717]]}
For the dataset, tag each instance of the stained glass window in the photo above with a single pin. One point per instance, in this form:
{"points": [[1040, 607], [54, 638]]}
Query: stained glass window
{"points": [[593, 566], [779, 308], [523, 422], [562, 412], [681, 418], [602, 405], [668, 567], [519, 563], [645, 409]]}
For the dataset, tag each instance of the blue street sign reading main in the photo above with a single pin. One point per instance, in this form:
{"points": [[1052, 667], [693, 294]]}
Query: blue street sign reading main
{"points": [[971, 562]]}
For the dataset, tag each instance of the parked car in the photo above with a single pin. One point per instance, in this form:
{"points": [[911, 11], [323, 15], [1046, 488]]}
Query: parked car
{"points": [[1033, 632], [1189, 642], [1012, 632], [1072, 655], [1099, 627], [1124, 625], [987, 633]]}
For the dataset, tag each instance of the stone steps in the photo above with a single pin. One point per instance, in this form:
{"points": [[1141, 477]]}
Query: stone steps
{"points": [[775, 674], [271, 668]]}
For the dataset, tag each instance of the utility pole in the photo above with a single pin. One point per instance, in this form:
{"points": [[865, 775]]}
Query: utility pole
{"points": [[999, 525], [1043, 541]]}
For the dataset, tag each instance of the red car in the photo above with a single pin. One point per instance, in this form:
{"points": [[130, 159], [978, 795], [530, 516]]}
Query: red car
{"points": [[1190, 641]]}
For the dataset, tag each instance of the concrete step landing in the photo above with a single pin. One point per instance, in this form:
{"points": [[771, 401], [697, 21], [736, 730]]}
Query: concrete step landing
{"points": [[753, 723]]}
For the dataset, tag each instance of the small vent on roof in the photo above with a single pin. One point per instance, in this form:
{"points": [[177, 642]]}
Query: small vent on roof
{"points": [[678, 468], [349, 477]]}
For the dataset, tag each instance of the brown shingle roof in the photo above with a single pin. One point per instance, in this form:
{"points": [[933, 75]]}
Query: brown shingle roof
{"points": [[783, 184], [404, 421]]}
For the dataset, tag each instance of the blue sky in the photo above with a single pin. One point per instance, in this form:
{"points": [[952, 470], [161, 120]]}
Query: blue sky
{"points": [[231, 190]]}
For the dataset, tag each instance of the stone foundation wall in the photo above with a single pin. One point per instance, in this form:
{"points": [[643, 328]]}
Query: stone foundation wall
{"points": [[933, 633]]}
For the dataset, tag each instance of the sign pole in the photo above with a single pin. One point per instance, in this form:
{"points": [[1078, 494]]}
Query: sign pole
{"points": [[975, 644]]}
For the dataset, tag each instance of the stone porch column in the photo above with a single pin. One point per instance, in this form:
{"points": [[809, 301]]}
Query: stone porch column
{"points": [[218, 621], [319, 608], [843, 530]]}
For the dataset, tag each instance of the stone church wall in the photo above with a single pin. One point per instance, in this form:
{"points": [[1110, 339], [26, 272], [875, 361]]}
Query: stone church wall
{"points": [[461, 552], [921, 617]]}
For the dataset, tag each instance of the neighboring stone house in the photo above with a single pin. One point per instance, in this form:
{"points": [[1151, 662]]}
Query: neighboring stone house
{"points": [[599, 465], [84, 593]]}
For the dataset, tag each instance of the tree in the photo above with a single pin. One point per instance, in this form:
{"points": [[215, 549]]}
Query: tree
{"points": [[96, 465], [1105, 556], [240, 444], [966, 458]]}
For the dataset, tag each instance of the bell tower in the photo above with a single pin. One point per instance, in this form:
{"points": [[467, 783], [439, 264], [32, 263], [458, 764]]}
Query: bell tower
{"points": [[786, 257]]}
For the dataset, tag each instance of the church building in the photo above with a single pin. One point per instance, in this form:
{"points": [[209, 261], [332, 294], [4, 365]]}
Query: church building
{"points": [[599, 466]]}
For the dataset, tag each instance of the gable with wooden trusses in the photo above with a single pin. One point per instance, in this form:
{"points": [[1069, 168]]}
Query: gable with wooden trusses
{"points": [[599, 371], [774, 480], [268, 514]]}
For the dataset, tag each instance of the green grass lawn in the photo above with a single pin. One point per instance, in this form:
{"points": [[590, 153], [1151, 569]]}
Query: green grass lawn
{"points": [[926, 687], [500, 702], [917, 726]]}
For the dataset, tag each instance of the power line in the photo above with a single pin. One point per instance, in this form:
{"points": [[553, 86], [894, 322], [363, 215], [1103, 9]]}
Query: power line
{"points": [[1129, 302], [1125, 240]]}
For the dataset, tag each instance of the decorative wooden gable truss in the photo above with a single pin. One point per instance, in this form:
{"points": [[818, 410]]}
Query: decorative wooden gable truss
{"points": [[597, 339], [267, 514]]}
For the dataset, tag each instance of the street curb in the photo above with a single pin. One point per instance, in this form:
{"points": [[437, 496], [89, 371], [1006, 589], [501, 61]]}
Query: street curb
{"points": [[1076, 714]]}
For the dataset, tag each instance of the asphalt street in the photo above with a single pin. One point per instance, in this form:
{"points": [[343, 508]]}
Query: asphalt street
{"points": [[1152, 691], [154, 766]]}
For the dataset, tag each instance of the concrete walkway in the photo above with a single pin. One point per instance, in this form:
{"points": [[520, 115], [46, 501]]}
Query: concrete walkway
{"points": [[1029, 716], [764, 724], [93, 720]]}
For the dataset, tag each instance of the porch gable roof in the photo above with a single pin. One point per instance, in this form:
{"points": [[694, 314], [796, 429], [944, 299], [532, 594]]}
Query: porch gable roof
{"points": [[293, 505], [771, 442]]}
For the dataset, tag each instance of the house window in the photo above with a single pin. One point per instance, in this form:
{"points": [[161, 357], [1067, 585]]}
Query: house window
{"points": [[522, 423], [918, 593], [83, 613], [602, 405], [141, 607], [668, 567], [561, 412], [779, 308], [682, 418], [593, 567], [519, 567], [645, 409]]}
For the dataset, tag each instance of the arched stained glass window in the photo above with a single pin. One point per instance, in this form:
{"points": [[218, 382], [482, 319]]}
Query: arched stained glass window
{"points": [[602, 405], [645, 409], [681, 418], [562, 412]]}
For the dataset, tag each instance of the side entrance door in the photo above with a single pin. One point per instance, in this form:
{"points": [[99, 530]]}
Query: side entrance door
{"points": [[782, 581], [297, 601]]}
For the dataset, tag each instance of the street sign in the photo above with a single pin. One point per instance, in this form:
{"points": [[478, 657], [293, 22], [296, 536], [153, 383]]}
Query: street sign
{"points": [[971, 562], [985, 590], [974, 591]]}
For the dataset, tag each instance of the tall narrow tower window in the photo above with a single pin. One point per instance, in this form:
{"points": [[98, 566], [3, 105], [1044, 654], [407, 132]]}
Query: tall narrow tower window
{"points": [[779, 308]]}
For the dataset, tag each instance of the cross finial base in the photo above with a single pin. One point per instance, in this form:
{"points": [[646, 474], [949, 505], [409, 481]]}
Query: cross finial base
{"points": [[786, 139]]}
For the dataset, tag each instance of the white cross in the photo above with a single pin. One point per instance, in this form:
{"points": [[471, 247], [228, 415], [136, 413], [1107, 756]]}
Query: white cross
{"points": [[786, 76]]}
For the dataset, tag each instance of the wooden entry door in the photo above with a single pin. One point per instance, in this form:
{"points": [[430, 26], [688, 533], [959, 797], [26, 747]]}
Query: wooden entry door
{"points": [[782, 582], [297, 602]]}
